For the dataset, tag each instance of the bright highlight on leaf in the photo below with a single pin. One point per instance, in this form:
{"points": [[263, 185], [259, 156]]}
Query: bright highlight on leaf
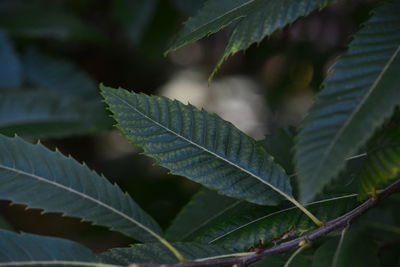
{"points": [[253, 20], [383, 163], [359, 95]]}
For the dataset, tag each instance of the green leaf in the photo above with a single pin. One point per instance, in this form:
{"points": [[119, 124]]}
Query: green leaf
{"points": [[44, 114], [280, 145], [32, 19], [359, 95], [134, 16], [40, 178], [383, 163], [57, 75], [10, 67], [157, 254], [208, 207], [205, 208], [34, 250], [271, 225], [200, 146], [357, 250], [255, 19]]}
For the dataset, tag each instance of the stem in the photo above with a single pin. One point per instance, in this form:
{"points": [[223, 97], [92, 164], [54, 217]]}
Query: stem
{"points": [[177, 254], [339, 247], [328, 227], [306, 212]]}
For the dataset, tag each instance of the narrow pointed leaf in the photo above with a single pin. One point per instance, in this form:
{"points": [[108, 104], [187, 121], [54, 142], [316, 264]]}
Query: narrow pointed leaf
{"points": [[205, 208], [43, 114], [360, 94], [200, 146], [157, 254], [10, 66], [271, 225], [255, 19], [383, 163], [40, 178], [34, 250]]}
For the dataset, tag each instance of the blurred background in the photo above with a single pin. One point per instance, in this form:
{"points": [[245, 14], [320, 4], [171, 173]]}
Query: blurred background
{"points": [[54, 53]]}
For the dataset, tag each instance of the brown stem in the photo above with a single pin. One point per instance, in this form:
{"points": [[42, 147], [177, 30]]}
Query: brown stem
{"points": [[328, 227]]}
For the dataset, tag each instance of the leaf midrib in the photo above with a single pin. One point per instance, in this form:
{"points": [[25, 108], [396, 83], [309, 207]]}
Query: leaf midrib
{"points": [[203, 148], [203, 25], [328, 151], [102, 204]]}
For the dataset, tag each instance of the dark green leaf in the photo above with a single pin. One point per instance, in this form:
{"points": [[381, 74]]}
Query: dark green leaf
{"points": [[33, 250], [271, 225], [357, 250], [255, 20], [200, 146], [279, 260], [10, 67], [205, 208], [44, 114], [158, 254], [40, 178], [359, 95]]}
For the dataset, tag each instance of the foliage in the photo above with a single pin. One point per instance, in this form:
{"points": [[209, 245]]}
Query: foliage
{"points": [[258, 199]]}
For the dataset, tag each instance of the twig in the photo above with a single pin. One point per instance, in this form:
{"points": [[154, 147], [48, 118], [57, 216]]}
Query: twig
{"points": [[328, 227]]}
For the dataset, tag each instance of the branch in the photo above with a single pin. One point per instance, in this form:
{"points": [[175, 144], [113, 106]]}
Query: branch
{"points": [[328, 227]]}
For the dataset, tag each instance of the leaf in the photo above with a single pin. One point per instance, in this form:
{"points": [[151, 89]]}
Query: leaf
{"points": [[34, 250], [10, 67], [205, 208], [31, 19], [199, 146], [255, 19], [157, 254], [359, 95], [357, 250], [208, 207], [280, 145], [271, 225], [57, 75], [134, 16], [40, 178], [383, 163], [44, 114]]}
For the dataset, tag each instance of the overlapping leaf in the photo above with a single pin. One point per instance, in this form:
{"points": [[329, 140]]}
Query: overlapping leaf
{"points": [[40, 178], [34, 250], [157, 254], [42, 113], [271, 225], [254, 19], [205, 208], [200, 146], [208, 207], [359, 95], [382, 163]]}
